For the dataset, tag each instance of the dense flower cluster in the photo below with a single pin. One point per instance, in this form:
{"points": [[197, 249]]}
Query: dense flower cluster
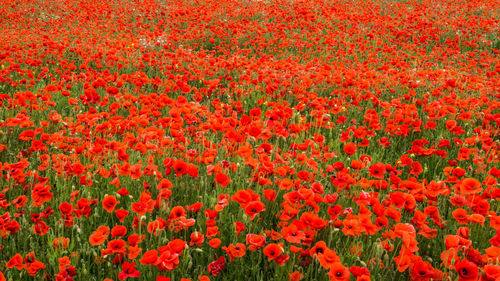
{"points": [[249, 140]]}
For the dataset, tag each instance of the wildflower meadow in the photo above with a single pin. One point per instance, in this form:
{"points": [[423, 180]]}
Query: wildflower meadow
{"points": [[197, 140]]}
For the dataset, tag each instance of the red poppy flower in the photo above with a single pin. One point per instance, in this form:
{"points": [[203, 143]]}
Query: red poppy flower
{"points": [[461, 216], [359, 271], [422, 271], [215, 243], [118, 230], [60, 242], [99, 236], [177, 212], [167, 261], [180, 167], [128, 270], [255, 241], [195, 207], [65, 208], [109, 202], [32, 265], [467, 271], [328, 257], [292, 234], [41, 194], [239, 226], [319, 248], [273, 250], [281, 259], [470, 186], [217, 266], [243, 197], [351, 227], [235, 251], [26, 135], [253, 208], [350, 148], [270, 194], [123, 191], [177, 246], [16, 261], [197, 239], [294, 276], [222, 179], [121, 214], [338, 272], [377, 170], [136, 171], [115, 246], [491, 272], [149, 257]]}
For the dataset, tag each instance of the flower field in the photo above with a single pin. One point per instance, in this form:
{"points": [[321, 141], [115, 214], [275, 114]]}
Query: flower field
{"points": [[250, 140]]}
